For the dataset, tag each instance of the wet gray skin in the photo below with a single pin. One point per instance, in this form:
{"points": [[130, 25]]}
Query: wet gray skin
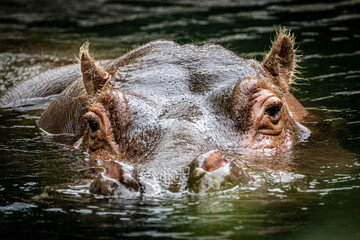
{"points": [[192, 120]]}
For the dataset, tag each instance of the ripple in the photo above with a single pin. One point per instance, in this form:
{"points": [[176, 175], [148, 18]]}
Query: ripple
{"points": [[54, 210], [106, 213], [347, 93], [337, 55], [232, 37], [158, 234], [16, 207], [326, 191], [332, 75], [168, 24]]}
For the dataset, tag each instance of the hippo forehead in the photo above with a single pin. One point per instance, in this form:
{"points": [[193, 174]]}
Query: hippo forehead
{"points": [[174, 81], [175, 94], [168, 69]]}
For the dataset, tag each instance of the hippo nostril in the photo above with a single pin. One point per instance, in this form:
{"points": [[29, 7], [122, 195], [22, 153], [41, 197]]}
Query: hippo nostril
{"points": [[214, 161], [212, 171], [118, 178]]}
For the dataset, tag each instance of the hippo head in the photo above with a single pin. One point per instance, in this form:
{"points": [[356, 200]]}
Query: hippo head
{"points": [[174, 115]]}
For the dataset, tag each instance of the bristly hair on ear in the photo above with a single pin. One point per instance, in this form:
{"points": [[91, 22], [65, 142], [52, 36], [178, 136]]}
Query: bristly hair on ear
{"points": [[83, 48], [283, 31]]}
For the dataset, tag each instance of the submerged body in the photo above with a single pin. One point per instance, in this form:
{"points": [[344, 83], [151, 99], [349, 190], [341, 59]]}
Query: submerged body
{"points": [[166, 116]]}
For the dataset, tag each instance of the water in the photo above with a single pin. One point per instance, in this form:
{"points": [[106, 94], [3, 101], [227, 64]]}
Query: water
{"points": [[36, 36]]}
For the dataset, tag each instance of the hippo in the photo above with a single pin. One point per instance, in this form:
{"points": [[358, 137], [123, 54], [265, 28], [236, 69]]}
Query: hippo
{"points": [[170, 117]]}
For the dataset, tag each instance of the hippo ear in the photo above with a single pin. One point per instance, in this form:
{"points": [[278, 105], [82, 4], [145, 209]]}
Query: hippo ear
{"points": [[280, 60], [94, 76]]}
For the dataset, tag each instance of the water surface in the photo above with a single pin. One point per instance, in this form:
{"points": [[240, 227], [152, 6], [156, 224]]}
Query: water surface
{"points": [[39, 35]]}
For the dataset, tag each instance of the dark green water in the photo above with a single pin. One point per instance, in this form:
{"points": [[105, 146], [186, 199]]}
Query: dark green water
{"points": [[38, 35]]}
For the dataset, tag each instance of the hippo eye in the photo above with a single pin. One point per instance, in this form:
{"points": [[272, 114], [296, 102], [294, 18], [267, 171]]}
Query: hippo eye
{"points": [[93, 125]]}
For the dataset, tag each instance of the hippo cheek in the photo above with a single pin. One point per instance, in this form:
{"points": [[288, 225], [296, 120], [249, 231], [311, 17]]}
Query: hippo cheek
{"points": [[118, 179], [213, 171]]}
